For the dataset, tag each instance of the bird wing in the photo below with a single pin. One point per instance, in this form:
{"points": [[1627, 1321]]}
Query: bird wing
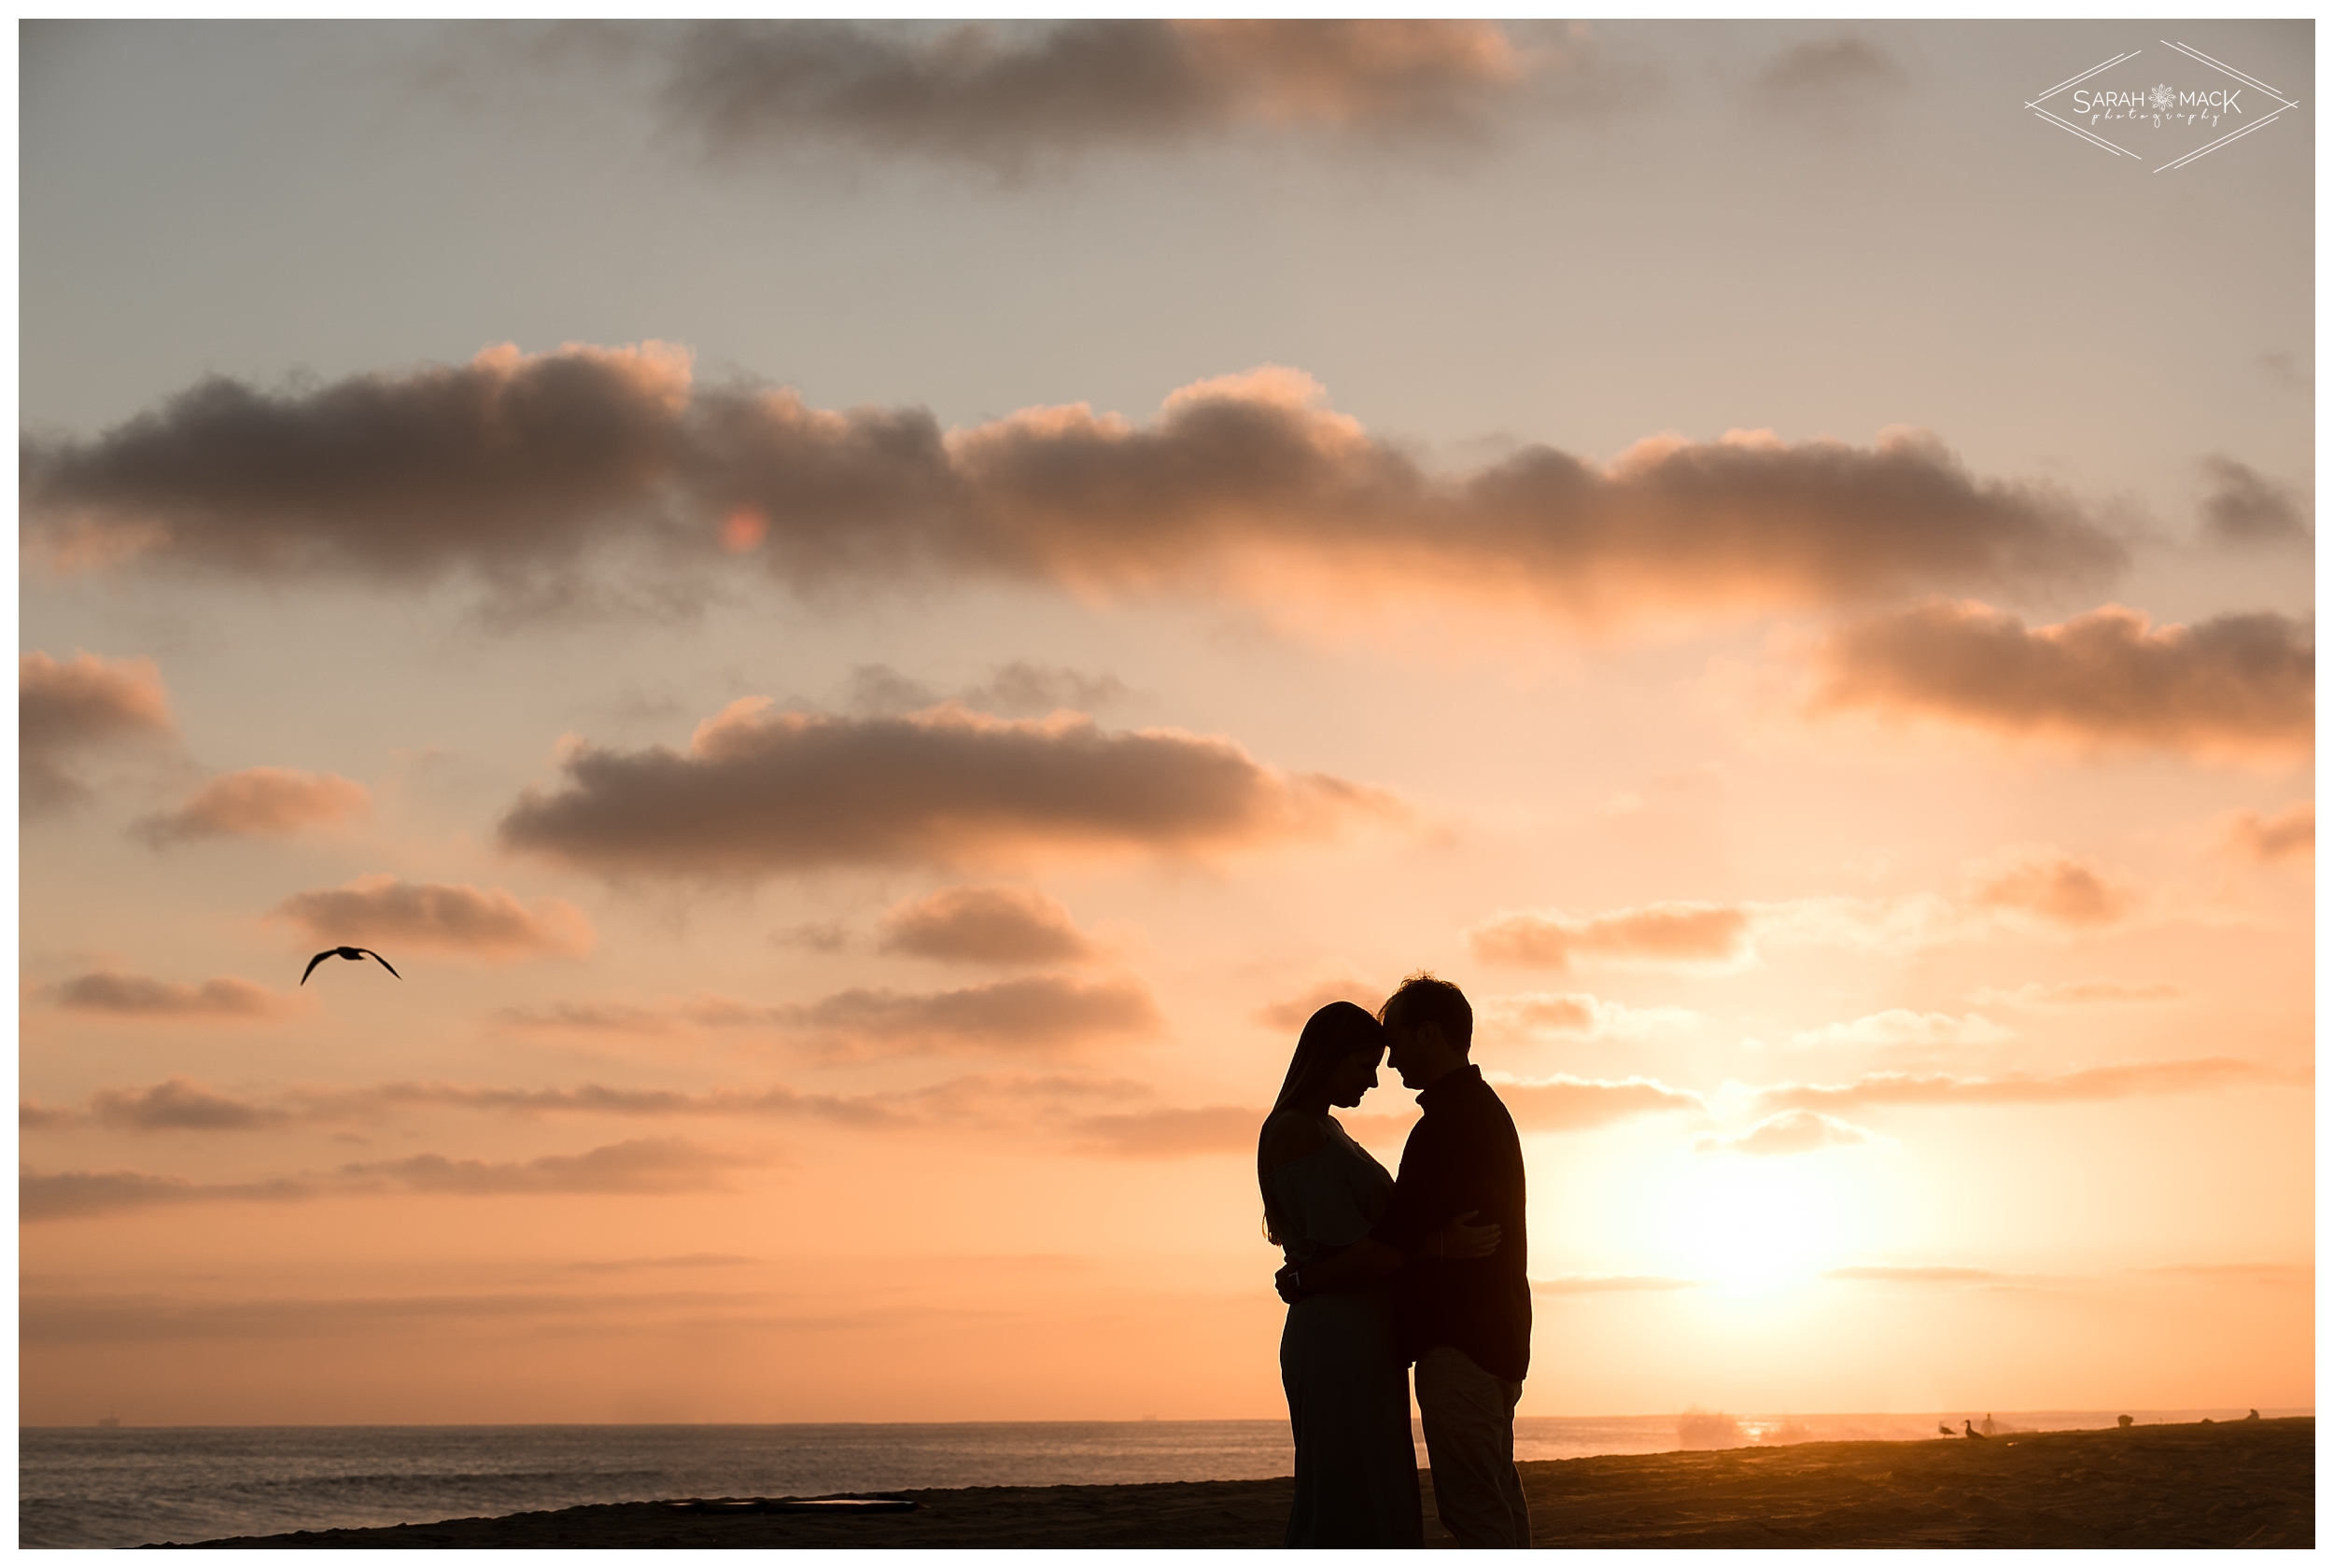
{"points": [[382, 962], [311, 965]]}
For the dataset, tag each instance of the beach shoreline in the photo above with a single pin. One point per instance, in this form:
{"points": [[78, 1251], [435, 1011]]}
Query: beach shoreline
{"points": [[2197, 1484]]}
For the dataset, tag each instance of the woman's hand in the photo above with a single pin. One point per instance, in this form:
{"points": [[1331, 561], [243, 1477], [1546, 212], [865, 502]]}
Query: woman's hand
{"points": [[1460, 1239]]}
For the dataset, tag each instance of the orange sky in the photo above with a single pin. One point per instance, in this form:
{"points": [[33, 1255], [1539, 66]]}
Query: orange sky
{"points": [[868, 665]]}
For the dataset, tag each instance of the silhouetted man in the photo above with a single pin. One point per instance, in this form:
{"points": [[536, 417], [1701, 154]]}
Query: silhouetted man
{"points": [[1465, 1323]]}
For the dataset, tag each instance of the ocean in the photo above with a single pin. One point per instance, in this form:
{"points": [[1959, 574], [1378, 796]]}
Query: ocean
{"points": [[130, 1486]]}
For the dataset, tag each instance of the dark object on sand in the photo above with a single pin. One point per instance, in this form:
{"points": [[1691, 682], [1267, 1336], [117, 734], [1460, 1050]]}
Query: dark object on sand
{"points": [[1944, 1431], [2123, 1421], [2252, 1415], [834, 1507], [353, 954], [1969, 1431]]}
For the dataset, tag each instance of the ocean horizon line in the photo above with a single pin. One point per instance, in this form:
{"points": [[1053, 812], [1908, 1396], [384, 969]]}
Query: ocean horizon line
{"points": [[1744, 1413]]}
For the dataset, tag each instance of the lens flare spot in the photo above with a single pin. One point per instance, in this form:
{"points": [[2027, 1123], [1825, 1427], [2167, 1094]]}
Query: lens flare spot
{"points": [[744, 529]]}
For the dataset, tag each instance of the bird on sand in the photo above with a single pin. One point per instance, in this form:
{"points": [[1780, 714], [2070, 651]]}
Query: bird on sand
{"points": [[1969, 1431], [352, 954], [1945, 1431]]}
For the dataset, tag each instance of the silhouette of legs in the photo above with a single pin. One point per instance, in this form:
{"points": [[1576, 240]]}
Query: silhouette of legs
{"points": [[1469, 1420]]}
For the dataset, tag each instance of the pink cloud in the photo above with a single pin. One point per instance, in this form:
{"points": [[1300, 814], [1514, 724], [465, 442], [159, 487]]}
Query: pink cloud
{"points": [[986, 925], [65, 708], [1170, 1132], [2050, 885], [259, 803], [1534, 1014], [2287, 835], [2080, 993], [1566, 1104], [1787, 1132], [1598, 1284], [1292, 1013], [1662, 933], [2195, 1075], [2235, 685]]}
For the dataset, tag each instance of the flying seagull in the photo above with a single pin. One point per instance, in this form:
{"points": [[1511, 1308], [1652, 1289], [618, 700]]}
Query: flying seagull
{"points": [[350, 953]]}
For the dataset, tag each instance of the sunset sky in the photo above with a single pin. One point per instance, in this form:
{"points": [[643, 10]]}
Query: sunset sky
{"points": [[871, 616]]}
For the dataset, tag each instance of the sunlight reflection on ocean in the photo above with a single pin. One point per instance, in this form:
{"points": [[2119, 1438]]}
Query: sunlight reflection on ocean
{"points": [[127, 1486]]}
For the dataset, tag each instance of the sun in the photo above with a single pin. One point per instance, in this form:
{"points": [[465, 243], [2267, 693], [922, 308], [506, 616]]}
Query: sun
{"points": [[1757, 1223]]}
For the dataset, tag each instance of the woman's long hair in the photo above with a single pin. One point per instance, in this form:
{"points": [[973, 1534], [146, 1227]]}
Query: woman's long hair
{"points": [[1339, 1030]]}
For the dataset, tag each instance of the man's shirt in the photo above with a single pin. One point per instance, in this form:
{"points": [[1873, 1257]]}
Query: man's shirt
{"points": [[1462, 1154]]}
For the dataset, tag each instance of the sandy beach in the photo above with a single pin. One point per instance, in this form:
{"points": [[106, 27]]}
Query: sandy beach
{"points": [[2227, 1484]]}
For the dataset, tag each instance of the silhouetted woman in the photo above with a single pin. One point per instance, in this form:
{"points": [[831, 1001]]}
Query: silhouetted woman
{"points": [[1348, 1393]]}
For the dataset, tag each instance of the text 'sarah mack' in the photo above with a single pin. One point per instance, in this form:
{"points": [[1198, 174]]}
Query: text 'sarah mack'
{"points": [[2158, 100]]}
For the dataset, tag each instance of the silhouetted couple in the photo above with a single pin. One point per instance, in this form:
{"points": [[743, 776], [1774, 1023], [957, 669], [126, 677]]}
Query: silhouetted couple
{"points": [[1382, 1272]]}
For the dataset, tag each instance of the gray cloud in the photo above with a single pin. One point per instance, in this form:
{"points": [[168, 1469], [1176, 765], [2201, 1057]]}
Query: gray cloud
{"points": [[973, 1099], [65, 708], [1032, 1013], [2243, 508], [1019, 690], [487, 924], [32, 1116], [1023, 688], [636, 1165], [516, 470], [641, 1165], [225, 998], [180, 1103], [124, 1319], [814, 936], [1014, 99], [259, 803], [1834, 85], [761, 791], [72, 1194], [508, 461], [986, 925], [2285, 372], [2236, 684], [1041, 1015], [648, 1264]]}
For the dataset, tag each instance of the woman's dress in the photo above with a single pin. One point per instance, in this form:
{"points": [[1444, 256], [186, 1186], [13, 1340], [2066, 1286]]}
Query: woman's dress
{"points": [[1348, 1394]]}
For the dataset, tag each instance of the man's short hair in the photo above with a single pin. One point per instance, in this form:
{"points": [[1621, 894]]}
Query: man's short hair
{"points": [[1421, 999]]}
